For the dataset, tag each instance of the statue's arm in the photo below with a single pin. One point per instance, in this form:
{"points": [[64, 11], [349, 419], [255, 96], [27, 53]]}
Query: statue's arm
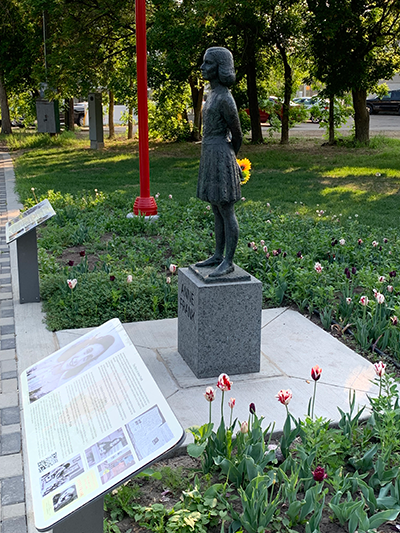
{"points": [[232, 119]]}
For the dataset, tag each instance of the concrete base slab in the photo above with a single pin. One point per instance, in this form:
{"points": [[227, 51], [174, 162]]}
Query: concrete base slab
{"points": [[290, 346]]}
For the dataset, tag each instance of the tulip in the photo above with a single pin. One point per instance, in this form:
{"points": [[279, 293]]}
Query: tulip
{"points": [[70, 263], [82, 253], [319, 474], [394, 320], [168, 280], [316, 372], [284, 396], [209, 395], [244, 427], [390, 288], [157, 195], [112, 278], [375, 243], [262, 242], [170, 196], [348, 301], [318, 267], [379, 368], [381, 279], [379, 298], [224, 383], [172, 268], [232, 402], [252, 408], [72, 283], [299, 254], [353, 270], [364, 300], [392, 274], [342, 242], [129, 279], [265, 249], [360, 241]]}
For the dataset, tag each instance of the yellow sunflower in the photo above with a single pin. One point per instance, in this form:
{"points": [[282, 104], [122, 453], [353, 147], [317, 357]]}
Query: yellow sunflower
{"points": [[245, 167]]}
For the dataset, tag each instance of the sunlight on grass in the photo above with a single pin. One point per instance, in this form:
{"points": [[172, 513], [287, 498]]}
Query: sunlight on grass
{"points": [[345, 172]]}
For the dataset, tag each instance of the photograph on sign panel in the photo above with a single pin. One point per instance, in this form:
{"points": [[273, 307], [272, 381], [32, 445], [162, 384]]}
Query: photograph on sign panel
{"points": [[61, 499], [148, 432], [113, 467], [106, 447], [44, 464], [69, 362], [61, 474]]}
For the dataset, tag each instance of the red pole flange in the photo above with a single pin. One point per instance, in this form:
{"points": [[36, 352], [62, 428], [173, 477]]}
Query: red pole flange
{"points": [[144, 204]]}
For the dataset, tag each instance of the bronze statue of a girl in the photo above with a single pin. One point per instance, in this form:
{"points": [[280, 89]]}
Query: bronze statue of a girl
{"points": [[219, 173]]}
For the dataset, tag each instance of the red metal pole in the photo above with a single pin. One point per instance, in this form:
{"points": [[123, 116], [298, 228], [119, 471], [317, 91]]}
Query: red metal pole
{"points": [[144, 204]]}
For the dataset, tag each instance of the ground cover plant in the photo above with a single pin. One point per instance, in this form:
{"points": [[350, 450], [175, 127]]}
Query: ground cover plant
{"points": [[311, 253], [314, 478]]}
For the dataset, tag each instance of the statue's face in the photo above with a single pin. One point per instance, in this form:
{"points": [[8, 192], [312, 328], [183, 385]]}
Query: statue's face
{"points": [[209, 68]]}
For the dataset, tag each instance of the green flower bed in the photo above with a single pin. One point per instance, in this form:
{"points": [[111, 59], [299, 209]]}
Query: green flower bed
{"points": [[343, 269]]}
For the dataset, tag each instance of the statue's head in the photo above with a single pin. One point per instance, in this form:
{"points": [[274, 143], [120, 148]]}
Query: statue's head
{"points": [[224, 60]]}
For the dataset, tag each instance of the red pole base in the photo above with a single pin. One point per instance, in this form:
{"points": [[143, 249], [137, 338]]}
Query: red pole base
{"points": [[145, 206]]}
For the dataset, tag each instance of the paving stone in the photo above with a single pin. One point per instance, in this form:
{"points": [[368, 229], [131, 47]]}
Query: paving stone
{"points": [[12, 490], [7, 330], [9, 385], [7, 344], [7, 313], [10, 443], [10, 374], [14, 525], [12, 428], [9, 399], [8, 365], [14, 511], [7, 321], [10, 415], [6, 296], [6, 355]]}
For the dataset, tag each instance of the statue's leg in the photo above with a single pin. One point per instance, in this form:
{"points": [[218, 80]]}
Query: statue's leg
{"points": [[231, 237], [219, 230]]}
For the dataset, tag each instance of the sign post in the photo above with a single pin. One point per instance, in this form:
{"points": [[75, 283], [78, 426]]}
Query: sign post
{"points": [[23, 228], [94, 417]]}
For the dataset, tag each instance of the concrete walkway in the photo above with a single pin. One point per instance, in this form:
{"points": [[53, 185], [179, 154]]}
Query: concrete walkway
{"points": [[291, 346]]}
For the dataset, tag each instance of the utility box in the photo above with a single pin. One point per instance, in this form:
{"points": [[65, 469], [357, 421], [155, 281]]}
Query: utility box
{"points": [[96, 134], [48, 116]]}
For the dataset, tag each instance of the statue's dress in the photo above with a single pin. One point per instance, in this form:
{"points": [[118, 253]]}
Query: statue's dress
{"points": [[219, 173]]}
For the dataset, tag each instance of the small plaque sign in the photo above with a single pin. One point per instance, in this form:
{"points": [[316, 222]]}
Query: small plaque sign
{"points": [[94, 417], [28, 220]]}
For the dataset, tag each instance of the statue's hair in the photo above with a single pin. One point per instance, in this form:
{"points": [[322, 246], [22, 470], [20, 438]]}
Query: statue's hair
{"points": [[226, 69]]}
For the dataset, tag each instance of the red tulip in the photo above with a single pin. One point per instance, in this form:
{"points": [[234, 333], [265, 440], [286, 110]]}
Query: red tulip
{"points": [[316, 372]]}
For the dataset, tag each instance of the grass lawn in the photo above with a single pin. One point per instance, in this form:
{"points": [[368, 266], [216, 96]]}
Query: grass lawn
{"points": [[303, 176]]}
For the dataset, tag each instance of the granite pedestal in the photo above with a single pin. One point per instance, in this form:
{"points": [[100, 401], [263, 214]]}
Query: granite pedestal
{"points": [[219, 322]]}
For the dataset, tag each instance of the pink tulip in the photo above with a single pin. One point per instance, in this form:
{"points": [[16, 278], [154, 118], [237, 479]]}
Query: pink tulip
{"points": [[129, 279], [172, 268], [232, 402], [209, 395], [375, 243], [348, 301], [284, 396], [379, 368], [390, 288], [364, 300], [170, 196], [168, 280], [381, 279], [394, 320], [224, 383], [316, 372]]}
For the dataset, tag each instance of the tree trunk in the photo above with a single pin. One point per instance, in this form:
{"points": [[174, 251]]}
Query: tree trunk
{"points": [[5, 110], [197, 92], [287, 97], [71, 117], [130, 123], [111, 130], [256, 132], [361, 116], [331, 120]]}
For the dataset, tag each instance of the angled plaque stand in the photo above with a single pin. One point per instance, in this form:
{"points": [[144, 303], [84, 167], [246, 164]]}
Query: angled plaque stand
{"points": [[23, 228], [94, 417]]}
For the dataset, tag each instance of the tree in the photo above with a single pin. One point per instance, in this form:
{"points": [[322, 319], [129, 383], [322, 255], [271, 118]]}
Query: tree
{"points": [[354, 44], [19, 48]]}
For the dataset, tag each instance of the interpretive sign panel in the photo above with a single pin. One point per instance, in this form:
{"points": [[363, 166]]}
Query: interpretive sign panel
{"points": [[94, 417], [28, 220]]}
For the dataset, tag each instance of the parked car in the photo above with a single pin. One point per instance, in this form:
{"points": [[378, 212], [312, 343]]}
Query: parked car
{"points": [[390, 103], [79, 114], [272, 105], [305, 101]]}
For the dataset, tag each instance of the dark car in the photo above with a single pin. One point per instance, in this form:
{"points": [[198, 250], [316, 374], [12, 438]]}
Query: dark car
{"points": [[79, 114], [390, 103]]}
